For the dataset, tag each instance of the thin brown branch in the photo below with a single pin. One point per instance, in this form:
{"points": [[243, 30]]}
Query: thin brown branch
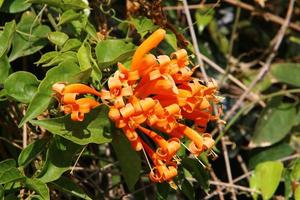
{"points": [[265, 68], [267, 15], [228, 167], [194, 39], [238, 187]]}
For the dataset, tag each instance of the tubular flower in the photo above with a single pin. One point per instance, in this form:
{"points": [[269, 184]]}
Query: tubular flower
{"points": [[148, 101], [70, 105]]}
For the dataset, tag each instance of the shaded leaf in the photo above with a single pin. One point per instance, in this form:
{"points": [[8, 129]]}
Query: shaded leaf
{"points": [[4, 68], [14, 6], [65, 72], [38, 186], [56, 165], [109, 52], [30, 38], [66, 185], [86, 61], [69, 56], [21, 86], [129, 160], [287, 73], [274, 124], [92, 129], [197, 171], [6, 36], [162, 190], [187, 189], [266, 178], [143, 25], [1, 193], [71, 44], [272, 153], [203, 17], [63, 4], [171, 40], [218, 37], [9, 172], [31, 151], [47, 57], [68, 16], [58, 38]]}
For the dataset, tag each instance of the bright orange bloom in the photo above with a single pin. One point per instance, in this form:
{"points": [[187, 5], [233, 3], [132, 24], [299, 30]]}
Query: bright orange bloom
{"points": [[148, 100]]}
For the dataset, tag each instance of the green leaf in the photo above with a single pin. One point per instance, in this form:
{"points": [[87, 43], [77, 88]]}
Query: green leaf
{"points": [[47, 57], [63, 4], [84, 56], [9, 172], [272, 153], [295, 173], [162, 190], [6, 36], [68, 186], [4, 68], [143, 25], [204, 17], [92, 129], [71, 44], [21, 86], [58, 38], [68, 16], [65, 72], [188, 190], [287, 73], [266, 178], [14, 6], [129, 160], [297, 193], [218, 37], [31, 151], [58, 160], [171, 39], [274, 124], [69, 56], [30, 38], [38, 186], [197, 171], [1, 192], [109, 52]]}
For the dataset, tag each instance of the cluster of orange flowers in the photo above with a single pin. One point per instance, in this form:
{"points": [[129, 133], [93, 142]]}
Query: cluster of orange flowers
{"points": [[153, 96]]}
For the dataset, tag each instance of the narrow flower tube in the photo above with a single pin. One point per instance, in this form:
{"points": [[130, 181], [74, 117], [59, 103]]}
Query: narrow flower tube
{"points": [[151, 42]]}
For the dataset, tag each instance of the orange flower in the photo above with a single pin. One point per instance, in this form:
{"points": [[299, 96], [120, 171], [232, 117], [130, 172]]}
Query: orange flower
{"points": [[149, 99], [69, 104]]}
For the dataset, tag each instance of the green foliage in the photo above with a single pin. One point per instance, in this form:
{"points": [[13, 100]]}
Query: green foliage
{"points": [[119, 51], [9, 172], [66, 185], [31, 151], [58, 160], [30, 38], [266, 178], [43, 42], [14, 6], [287, 73], [129, 161], [276, 121], [269, 154], [21, 86], [93, 129], [67, 72]]}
